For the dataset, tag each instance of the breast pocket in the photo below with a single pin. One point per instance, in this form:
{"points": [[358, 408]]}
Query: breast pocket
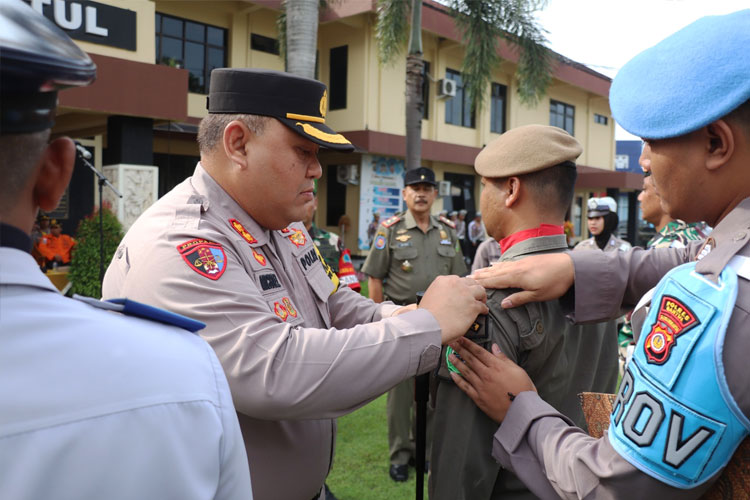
{"points": [[446, 253], [405, 253]]}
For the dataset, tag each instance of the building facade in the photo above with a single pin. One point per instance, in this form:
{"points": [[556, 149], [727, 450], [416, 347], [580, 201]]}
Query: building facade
{"points": [[154, 57]]}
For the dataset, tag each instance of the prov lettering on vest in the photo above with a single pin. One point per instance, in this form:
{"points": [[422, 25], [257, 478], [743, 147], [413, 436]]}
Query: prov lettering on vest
{"points": [[673, 417]]}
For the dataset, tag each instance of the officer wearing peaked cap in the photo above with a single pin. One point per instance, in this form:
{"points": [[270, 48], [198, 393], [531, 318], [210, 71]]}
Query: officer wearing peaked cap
{"points": [[409, 251], [683, 407], [528, 177], [92, 400], [226, 246]]}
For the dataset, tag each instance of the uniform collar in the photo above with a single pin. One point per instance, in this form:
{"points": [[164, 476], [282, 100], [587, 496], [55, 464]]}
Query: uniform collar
{"points": [[229, 209], [537, 244], [411, 222], [543, 230], [19, 268], [725, 241]]}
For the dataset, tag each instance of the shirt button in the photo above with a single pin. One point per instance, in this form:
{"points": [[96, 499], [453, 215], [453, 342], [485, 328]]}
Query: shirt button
{"points": [[539, 327], [739, 236]]}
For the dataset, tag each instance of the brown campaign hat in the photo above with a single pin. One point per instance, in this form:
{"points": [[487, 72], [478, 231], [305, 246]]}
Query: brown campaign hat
{"points": [[527, 149], [299, 103]]}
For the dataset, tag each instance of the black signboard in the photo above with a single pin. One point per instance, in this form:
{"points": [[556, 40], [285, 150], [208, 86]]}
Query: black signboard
{"points": [[91, 21]]}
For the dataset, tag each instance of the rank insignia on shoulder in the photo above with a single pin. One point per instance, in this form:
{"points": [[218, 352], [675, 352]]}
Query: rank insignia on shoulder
{"points": [[286, 230], [447, 222], [259, 257], [673, 319], [204, 257], [379, 242], [298, 238], [391, 221], [237, 226]]}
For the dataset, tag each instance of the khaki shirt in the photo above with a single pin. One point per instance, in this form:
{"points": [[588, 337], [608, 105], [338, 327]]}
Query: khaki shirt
{"points": [[613, 244], [296, 350], [407, 259], [555, 459], [562, 360]]}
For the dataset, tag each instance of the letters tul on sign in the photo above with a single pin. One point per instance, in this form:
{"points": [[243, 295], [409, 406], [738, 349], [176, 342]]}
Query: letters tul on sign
{"points": [[91, 21]]}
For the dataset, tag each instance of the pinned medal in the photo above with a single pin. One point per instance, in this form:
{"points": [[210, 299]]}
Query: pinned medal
{"points": [[407, 267], [403, 237], [443, 235], [401, 231]]}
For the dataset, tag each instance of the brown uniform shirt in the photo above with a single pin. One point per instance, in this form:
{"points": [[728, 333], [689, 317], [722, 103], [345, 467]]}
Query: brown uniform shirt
{"points": [[296, 350], [554, 458], [562, 359], [408, 259]]}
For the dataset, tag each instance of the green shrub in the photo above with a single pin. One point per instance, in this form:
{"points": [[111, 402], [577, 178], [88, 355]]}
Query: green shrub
{"points": [[84, 266]]}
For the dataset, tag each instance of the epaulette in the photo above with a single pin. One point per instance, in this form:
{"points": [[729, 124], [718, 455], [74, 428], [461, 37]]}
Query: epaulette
{"points": [[391, 221], [132, 308], [447, 222]]}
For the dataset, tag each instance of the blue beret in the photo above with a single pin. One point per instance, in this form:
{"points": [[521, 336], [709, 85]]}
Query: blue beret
{"points": [[686, 81]]}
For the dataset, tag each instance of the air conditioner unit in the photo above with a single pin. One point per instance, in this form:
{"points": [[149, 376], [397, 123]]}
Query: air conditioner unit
{"points": [[347, 174], [444, 188], [446, 88]]}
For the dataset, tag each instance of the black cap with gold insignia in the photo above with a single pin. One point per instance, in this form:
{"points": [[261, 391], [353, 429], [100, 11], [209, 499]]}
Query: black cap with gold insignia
{"points": [[299, 103], [36, 60], [421, 175]]}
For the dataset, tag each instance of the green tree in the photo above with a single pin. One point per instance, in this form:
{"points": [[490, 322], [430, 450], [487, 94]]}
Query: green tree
{"points": [[482, 25], [84, 266]]}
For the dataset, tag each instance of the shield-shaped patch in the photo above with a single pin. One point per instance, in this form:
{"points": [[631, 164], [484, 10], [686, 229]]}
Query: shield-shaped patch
{"points": [[204, 257]]}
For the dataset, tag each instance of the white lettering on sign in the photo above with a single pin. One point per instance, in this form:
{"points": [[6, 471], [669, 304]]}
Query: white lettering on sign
{"points": [[77, 17]]}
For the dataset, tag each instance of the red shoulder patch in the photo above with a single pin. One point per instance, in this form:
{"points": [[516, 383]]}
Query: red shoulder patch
{"points": [[204, 257], [447, 222], [391, 221]]}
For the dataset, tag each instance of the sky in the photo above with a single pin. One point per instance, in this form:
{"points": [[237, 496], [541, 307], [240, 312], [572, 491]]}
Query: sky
{"points": [[605, 34]]}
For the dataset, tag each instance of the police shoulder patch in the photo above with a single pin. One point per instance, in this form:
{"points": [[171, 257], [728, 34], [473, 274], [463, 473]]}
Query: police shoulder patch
{"points": [[447, 222], [391, 221], [206, 258], [379, 242]]}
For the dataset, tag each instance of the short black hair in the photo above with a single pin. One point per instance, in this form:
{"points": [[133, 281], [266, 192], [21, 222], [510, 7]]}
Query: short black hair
{"points": [[553, 187]]}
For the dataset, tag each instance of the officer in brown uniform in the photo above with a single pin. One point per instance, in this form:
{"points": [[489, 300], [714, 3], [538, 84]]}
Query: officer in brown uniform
{"points": [[409, 251], [528, 175], [683, 405], [297, 348]]}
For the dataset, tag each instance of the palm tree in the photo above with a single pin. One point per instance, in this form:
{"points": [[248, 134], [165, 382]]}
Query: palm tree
{"points": [[482, 24], [298, 27]]}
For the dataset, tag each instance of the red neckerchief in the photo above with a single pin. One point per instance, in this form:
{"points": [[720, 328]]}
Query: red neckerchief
{"points": [[543, 230]]}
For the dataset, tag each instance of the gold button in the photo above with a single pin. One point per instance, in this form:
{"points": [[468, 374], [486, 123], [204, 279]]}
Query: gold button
{"points": [[539, 327]]}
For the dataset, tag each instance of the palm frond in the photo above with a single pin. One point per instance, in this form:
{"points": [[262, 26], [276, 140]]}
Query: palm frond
{"points": [[391, 29]]}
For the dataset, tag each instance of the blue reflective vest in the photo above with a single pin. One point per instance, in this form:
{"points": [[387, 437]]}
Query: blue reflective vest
{"points": [[674, 417]]}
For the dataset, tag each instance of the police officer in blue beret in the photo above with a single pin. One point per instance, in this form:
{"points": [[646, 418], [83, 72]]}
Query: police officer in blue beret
{"points": [[94, 404], [683, 407]]}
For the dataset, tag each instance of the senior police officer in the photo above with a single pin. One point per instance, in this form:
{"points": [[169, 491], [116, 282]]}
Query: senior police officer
{"points": [[528, 174], [95, 404], [223, 246], [683, 406], [602, 222], [409, 251]]}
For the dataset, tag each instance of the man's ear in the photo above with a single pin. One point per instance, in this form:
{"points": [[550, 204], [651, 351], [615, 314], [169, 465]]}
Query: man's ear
{"points": [[54, 174], [513, 185], [236, 135], [721, 144]]}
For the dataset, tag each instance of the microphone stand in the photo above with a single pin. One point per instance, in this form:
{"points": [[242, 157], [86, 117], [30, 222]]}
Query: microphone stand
{"points": [[84, 155]]}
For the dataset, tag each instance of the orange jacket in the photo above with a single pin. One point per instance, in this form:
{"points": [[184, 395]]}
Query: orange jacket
{"points": [[50, 245]]}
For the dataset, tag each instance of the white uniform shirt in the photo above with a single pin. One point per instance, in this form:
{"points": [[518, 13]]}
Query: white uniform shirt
{"points": [[97, 405]]}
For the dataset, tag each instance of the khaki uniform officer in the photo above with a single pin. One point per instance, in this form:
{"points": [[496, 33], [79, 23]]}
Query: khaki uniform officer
{"points": [[409, 250], [683, 406], [223, 247], [528, 176]]}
